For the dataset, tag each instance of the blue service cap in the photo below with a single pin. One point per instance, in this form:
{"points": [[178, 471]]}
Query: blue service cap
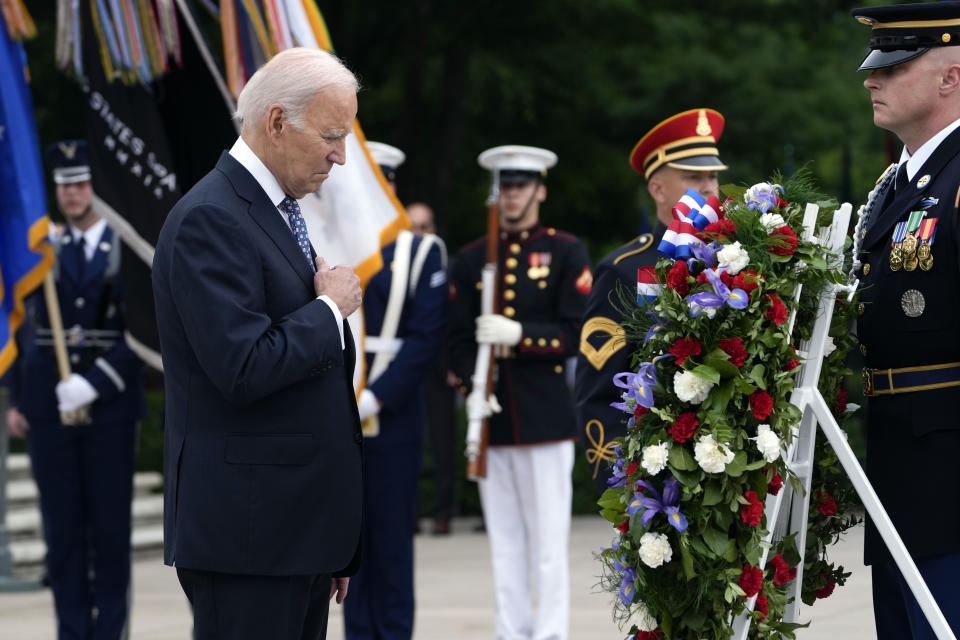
{"points": [[903, 32], [69, 160]]}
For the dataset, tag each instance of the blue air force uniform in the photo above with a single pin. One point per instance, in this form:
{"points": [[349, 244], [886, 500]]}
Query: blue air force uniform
{"points": [[381, 601], [84, 473], [604, 352], [909, 275]]}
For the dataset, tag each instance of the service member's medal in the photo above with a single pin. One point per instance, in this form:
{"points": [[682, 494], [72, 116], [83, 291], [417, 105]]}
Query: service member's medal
{"points": [[539, 265], [927, 233], [896, 257], [910, 241]]}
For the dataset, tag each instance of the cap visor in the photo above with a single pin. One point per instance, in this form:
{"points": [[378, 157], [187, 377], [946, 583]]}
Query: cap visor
{"points": [[878, 59], [699, 163]]}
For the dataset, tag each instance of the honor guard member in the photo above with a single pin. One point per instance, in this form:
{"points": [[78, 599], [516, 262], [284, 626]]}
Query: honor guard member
{"points": [[543, 281], [84, 473], [906, 257], [678, 154], [405, 313]]}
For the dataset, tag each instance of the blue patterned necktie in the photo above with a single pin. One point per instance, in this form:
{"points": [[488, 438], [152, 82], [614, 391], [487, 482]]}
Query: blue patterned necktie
{"points": [[290, 207]]}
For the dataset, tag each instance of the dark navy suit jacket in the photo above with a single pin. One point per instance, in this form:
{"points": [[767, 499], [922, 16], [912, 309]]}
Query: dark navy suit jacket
{"points": [[262, 456]]}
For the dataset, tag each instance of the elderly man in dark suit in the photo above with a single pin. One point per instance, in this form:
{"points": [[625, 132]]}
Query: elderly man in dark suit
{"points": [[262, 454], [905, 249]]}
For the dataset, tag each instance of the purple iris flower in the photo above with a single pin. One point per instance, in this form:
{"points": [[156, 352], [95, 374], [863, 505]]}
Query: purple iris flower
{"points": [[738, 298], [707, 254], [618, 476], [654, 504], [763, 200], [627, 586], [639, 387]]}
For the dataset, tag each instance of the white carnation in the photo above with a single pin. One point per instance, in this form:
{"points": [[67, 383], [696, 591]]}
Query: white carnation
{"points": [[712, 456], [655, 457], [829, 347], [768, 443], [640, 616], [655, 549], [690, 387], [734, 257], [771, 221]]}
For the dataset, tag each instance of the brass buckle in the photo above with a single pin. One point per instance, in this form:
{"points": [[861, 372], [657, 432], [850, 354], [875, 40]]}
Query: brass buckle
{"points": [[867, 381]]}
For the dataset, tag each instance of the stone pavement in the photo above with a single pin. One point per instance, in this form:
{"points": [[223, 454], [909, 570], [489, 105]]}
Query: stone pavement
{"points": [[454, 594]]}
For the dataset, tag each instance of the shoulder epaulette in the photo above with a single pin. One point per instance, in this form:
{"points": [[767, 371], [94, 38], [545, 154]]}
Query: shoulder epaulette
{"points": [[645, 240], [893, 166]]}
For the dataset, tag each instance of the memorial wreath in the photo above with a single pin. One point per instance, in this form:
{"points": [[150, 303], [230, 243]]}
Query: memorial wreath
{"points": [[709, 419]]}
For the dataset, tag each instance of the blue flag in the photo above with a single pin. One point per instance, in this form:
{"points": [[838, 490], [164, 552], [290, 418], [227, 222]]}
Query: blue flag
{"points": [[25, 252]]}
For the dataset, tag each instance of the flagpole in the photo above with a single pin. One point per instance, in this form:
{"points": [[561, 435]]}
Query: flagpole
{"points": [[208, 59]]}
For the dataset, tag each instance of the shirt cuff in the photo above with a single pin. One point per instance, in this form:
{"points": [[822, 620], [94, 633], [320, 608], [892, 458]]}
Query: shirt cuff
{"points": [[336, 314]]}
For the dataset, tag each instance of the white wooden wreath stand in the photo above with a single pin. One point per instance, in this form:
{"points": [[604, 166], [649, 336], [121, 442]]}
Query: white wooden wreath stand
{"points": [[799, 457]]}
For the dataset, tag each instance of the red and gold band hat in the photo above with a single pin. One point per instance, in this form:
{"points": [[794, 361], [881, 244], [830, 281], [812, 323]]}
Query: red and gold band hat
{"points": [[687, 140]]}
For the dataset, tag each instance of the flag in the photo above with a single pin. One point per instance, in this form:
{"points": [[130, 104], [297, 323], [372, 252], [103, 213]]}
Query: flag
{"points": [[25, 252], [648, 288], [149, 142]]}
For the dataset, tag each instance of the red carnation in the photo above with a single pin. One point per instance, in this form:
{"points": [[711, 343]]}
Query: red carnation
{"points": [[677, 278], [775, 484], [638, 412], [684, 426], [777, 311], [761, 403], [747, 280], [649, 635], [751, 579], [782, 573], [842, 401], [781, 203], [721, 229], [826, 504], [684, 347], [791, 365], [826, 590], [751, 513], [783, 241], [733, 347], [624, 526], [762, 606], [632, 468]]}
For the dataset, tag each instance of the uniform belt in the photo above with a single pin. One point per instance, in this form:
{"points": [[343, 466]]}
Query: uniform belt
{"points": [[883, 382], [376, 344], [76, 337]]}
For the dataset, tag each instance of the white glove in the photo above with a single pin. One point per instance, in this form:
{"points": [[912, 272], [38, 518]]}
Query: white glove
{"points": [[477, 405], [367, 404], [497, 329], [75, 392]]}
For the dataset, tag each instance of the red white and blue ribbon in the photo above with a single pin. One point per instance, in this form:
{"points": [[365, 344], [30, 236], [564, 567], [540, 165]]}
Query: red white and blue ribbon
{"points": [[648, 289], [691, 214]]}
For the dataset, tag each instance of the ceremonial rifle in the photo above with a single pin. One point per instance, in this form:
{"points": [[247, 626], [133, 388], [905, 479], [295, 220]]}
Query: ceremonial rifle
{"points": [[478, 427]]}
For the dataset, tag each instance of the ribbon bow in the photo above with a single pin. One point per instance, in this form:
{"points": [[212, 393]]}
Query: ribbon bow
{"points": [[691, 214]]}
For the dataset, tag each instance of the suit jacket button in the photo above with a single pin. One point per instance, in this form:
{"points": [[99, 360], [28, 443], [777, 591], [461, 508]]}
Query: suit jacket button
{"points": [[79, 303], [358, 438]]}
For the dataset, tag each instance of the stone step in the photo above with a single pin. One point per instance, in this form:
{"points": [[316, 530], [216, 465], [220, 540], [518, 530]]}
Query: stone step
{"points": [[31, 552], [25, 490], [18, 467], [25, 521]]}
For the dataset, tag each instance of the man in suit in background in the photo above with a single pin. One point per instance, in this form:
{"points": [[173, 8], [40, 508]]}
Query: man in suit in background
{"points": [[678, 154], [262, 454], [909, 291], [84, 472], [405, 317]]}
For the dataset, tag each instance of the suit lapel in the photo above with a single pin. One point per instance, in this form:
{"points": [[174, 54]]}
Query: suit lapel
{"points": [[905, 202], [266, 215]]}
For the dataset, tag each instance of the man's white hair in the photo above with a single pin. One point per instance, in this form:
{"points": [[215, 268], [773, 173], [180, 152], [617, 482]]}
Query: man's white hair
{"points": [[292, 79]]}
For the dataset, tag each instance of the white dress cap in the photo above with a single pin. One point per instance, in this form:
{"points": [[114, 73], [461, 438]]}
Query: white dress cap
{"points": [[386, 155], [514, 157]]}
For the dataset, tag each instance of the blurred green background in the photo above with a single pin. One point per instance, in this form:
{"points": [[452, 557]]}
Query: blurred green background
{"points": [[445, 80]]}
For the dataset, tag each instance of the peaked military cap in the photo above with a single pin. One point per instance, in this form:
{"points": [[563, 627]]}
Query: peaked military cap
{"points": [[905, 31], [687, 140], [69, 160], [388, 157], [518, 164]]}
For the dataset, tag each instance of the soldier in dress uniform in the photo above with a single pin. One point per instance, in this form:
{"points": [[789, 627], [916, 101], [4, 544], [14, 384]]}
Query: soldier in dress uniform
{"points": [[405, 312], [678, 154], [905, 251], [84, 473], [544, 278]]}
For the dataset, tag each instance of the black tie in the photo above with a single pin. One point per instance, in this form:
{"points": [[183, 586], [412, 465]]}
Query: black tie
{"points": [[81, 256], [901, 181]]}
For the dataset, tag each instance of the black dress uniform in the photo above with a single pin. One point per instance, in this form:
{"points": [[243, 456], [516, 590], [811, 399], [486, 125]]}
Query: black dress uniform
{"points": [[84, 473], [544, 279], [604, 352], [907, 327], [381, 601]]}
